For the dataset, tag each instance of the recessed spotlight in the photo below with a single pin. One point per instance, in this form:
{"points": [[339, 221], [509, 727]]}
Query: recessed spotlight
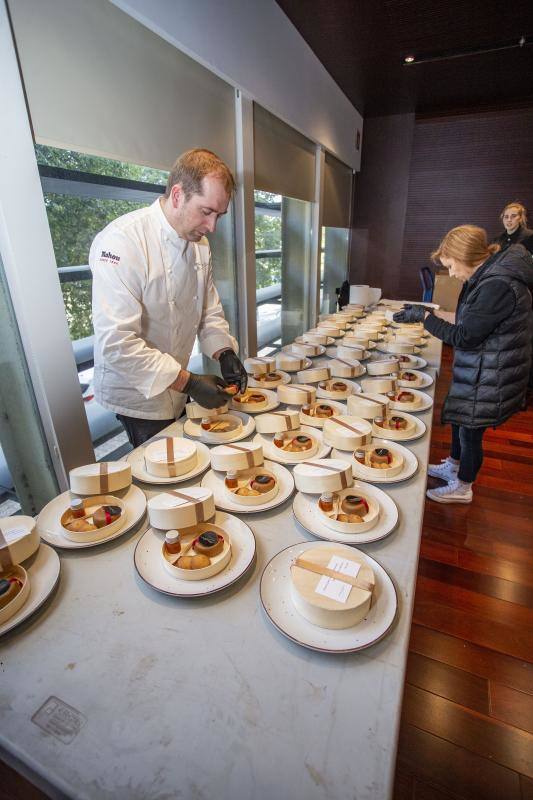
{"points": [[409, 59]]}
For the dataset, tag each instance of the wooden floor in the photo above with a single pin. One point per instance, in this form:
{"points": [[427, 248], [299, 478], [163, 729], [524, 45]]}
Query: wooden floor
{"points": [[467, 718]]}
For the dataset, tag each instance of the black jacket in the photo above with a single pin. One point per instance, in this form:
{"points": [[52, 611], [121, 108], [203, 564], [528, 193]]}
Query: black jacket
{"points": [[492, 339], [519, 236]]}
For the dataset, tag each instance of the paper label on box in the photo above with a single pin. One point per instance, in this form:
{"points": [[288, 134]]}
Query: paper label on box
{"points": [[12, 534], [345, 566], [335, 590]]}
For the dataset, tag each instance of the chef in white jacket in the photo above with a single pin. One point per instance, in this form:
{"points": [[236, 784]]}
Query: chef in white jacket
{"points": [[153, 293]]}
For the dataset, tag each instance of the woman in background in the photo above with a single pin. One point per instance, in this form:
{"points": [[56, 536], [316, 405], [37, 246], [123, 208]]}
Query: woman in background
{"points": [[514, 218], [492, 340]]}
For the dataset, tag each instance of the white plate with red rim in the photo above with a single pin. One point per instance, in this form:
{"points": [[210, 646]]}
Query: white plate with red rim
{"points": [[49, 520], [140, 473], [193, 429], [149, 564], [43, 569], [276, 600], [214, 481], [308, 515], [274, 453], [425, 379], [272, 403], [255, 384], [409, 468]]}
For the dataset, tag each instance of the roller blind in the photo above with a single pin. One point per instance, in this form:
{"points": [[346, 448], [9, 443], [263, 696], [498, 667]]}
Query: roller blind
{"points": [[337, 193], [99, 82], [284, 160]]}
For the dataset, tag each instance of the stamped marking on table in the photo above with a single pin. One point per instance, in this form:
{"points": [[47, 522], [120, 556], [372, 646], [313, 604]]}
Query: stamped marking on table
{"points": [[58, 718]]}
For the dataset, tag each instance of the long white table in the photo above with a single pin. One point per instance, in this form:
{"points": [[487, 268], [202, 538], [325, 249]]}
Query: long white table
{"points": [[204, 698]]}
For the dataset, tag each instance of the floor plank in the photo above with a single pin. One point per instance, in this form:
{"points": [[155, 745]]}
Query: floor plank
{"points": [[467, 719], [452, 768], [493, 740]]}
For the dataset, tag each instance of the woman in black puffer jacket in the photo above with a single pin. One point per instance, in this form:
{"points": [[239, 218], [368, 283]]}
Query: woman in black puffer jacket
{"points": [[491, 335]]}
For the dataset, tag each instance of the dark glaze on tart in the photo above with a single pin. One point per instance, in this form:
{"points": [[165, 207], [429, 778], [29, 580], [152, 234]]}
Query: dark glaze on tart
{"points": [[263, 483], [299, 443], [380, 456], [209, 543], [408, 376], [354, 504], [319, 410]]}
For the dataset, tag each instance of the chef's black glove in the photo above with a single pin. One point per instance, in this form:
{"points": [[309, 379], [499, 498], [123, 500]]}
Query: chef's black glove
{"points": [[232, 369], [207, 390], [410, 313]]}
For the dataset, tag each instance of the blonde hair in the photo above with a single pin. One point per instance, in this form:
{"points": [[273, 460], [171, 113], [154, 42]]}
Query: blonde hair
{"points": [[468, 244], [522, 209], [193, 166]]}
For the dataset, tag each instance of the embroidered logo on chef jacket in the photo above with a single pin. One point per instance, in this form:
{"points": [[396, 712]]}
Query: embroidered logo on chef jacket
{"points": [[108, 257]]}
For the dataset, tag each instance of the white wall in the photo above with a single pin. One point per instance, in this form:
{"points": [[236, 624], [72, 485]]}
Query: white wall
{"points": [[253, 45]]}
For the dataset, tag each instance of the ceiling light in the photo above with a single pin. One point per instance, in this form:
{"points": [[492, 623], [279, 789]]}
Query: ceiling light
{"points": [[523, 41], [409, 59]]}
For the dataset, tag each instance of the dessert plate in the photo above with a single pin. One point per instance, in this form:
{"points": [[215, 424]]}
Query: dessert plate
{"points": [[149, 562], [426, 379], [193, 430], [215, 481], [138, 466], [43, 571], [318, 422], [49, 520], [254, 384], [306, 512], [275, 454], [273, 403], [322, 394], [410, 464], [407, 436], [276, 600], [427, 402]]}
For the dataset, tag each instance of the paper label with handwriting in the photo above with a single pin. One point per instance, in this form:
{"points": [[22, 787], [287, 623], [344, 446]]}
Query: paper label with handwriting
{"points": [[344, 565]]}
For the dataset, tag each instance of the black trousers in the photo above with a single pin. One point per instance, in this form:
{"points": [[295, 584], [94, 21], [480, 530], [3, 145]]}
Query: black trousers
{"points": [[467, 449], [140, 430]]}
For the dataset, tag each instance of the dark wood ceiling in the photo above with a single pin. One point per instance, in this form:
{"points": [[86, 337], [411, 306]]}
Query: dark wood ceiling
{"points": [[362, 44]]}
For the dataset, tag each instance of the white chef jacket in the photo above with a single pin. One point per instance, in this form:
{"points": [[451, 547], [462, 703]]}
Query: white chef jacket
{"points": [[153, 293]]}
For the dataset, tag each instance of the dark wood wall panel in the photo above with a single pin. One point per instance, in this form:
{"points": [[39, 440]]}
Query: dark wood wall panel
{"points": [[464, 169]]}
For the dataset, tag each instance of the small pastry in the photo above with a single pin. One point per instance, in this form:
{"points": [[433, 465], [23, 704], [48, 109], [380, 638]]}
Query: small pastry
{"points": [[405, 397], [354, 504], [399, 423], [349, 518], [250, 397], [300, 443], [209, 543], [80, 526], [9, 589], [380, 456], [105, 515], [247, 491], [404, 359], [338, 386], [407, 376], [263, 483], [193, 562], [323, 410]]}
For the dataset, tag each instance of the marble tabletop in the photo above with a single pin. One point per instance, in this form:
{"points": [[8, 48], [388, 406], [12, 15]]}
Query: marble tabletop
{"points": [[159, 698]]}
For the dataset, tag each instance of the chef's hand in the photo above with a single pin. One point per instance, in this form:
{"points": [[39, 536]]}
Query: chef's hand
{"points": [[206, 390], [410, 313], [232, 369]]}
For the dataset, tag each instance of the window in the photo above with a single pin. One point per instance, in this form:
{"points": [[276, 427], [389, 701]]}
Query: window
{"points": [[282, 253], [83, 194], [333, 266]]}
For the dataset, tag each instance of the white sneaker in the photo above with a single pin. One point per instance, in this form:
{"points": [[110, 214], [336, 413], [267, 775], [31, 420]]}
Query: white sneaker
{"points": [[453, 492], [446, 470]]}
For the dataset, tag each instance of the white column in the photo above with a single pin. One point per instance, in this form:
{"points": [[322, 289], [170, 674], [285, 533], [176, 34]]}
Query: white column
{"points": [[245, 224], [31, 272]]}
